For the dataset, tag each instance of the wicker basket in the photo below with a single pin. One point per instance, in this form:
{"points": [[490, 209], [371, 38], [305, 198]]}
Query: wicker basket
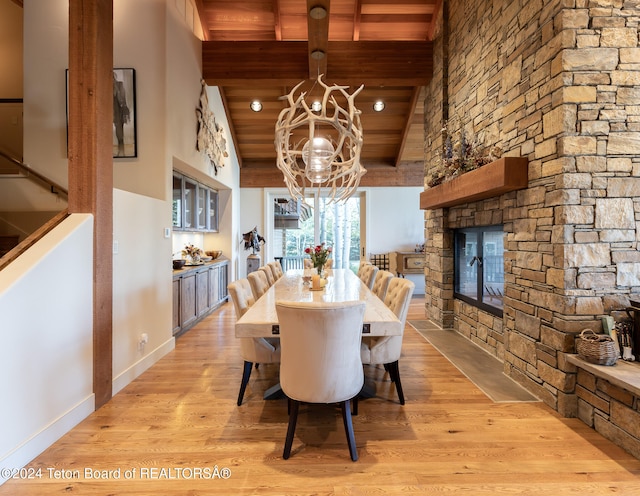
{"points": [[596, 348]]}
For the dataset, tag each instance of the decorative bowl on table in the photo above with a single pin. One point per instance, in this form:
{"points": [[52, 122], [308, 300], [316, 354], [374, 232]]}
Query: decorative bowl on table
{"points": [[178, 263], [213, 253]]}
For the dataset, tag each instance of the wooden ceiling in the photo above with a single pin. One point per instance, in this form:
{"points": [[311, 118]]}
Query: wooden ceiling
{"points": [[259, 49]]}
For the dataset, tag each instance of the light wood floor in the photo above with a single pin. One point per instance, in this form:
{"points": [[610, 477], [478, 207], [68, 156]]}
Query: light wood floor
{"points": [[180, 417]]}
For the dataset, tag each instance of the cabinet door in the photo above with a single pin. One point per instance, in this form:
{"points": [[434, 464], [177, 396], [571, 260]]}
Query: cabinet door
{"points": [[188, 300], [190, 203], [177, 207], [176, 305], [213, 210], [214, 285], [202, 292], [203, 200], [224, 280]]}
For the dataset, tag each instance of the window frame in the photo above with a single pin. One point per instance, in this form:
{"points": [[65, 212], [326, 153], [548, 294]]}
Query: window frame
{"points": [[478, 300]]}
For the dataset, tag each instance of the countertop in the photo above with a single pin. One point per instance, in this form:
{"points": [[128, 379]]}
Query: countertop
{"points": [[189, 268]]}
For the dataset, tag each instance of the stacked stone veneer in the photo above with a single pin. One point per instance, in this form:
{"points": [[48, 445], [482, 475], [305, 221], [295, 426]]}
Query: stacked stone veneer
{"points": [[557, 82]]}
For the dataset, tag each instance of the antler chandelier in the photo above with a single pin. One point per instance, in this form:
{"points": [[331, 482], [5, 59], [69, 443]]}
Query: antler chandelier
{"points": [[329, 154]]}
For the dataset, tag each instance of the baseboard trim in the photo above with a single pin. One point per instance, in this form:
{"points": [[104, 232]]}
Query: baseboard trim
{"points": [[40, 441], [129, 374]]}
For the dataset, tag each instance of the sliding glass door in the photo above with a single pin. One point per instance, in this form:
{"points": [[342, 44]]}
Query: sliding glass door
{"points": [[339, 225]]}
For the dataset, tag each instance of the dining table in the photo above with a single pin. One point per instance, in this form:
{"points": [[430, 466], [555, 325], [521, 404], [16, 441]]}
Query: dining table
{"points": [[261, 319], [341, 285]]}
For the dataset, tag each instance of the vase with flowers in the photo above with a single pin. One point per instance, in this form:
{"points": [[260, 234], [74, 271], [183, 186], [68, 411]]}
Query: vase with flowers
{"points": [[192, 254], [319, 256]]}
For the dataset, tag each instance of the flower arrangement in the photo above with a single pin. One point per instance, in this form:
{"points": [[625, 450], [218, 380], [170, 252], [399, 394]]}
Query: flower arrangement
{"points": [[192, 252], [319, 255]]}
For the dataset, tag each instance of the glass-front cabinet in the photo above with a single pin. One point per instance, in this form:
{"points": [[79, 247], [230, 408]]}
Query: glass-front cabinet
{"points": [[190, 203], [195, 206], [176, 211]]}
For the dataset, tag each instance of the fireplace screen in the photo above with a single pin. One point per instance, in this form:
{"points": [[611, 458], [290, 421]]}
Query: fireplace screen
{"points": [[479, 267]]}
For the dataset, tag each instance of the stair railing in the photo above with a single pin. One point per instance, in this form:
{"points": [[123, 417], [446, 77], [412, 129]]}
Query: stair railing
{"points": [[29, 173]]}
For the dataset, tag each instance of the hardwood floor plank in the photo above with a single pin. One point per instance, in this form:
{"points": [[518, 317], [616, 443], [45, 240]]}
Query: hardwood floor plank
{"points": [[449, 438]]}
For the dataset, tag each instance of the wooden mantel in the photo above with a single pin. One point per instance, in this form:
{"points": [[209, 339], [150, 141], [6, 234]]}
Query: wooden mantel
{"points": [[504, 175]]}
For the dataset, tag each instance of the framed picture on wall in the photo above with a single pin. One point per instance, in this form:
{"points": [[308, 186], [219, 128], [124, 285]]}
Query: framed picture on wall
{"points": [[125, 142], [124, 113]]}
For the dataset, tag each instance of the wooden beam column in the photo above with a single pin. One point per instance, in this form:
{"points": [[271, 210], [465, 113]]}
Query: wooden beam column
{"points": [[91, 163]]}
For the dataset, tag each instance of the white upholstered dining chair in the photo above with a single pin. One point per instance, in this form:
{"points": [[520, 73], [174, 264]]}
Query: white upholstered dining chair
{"points": [[320, 359], [381, 283], [259, 283], [367, 274], [386, 350], [276, 269], [252, 350], [268, 274]]}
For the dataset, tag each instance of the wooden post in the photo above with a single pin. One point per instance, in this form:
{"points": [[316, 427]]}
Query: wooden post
{"points": [[91, 162]]}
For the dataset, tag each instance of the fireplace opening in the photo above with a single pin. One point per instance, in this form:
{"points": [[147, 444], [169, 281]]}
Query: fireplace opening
{"points": [[479, 267]]}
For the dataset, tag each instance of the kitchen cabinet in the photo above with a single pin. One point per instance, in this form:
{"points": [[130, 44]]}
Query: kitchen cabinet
{"points": [[197, 291], [195, 206]]}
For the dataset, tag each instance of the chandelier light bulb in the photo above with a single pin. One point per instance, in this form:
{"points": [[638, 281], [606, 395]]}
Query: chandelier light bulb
{"points": [[316, 154]]}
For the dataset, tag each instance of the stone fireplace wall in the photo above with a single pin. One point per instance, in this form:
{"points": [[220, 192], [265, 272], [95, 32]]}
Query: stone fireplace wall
{"points": [[557, 82]]}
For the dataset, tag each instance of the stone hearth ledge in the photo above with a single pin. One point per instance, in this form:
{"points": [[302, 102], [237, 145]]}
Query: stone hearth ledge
{"points": [[625, 375]]}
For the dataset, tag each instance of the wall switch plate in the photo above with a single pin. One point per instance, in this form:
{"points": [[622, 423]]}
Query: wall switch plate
{"points": [[167, 232], [115, 247]]}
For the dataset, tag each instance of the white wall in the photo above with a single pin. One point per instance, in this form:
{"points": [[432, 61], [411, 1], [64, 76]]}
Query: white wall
{"points": [[142, 291], [396, 223], [46, 357]]}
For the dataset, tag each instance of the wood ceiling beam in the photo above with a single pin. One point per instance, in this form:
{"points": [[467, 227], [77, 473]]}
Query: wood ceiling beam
{"points": [[410, 174], [434, 19], [203, 20], [357, 19], [409, 121], [318, 36], [249, 63], [277, 21]]}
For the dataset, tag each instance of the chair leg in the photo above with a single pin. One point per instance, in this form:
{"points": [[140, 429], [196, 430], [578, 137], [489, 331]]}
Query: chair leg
{"points": [[348, 428], [394, 372], [293, 418], [246, 373], [355, 406]]}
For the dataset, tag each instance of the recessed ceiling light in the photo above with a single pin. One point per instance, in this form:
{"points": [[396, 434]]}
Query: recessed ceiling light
{"points": [[378, 106], [316, 106], [256, 105], [318, 12]]}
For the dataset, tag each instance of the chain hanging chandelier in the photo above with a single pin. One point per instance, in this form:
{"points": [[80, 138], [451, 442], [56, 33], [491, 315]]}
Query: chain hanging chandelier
{"points": [[320, 145]]}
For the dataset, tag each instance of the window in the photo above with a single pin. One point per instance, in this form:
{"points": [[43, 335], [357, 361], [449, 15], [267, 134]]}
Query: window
{"points": [[479, 267]]}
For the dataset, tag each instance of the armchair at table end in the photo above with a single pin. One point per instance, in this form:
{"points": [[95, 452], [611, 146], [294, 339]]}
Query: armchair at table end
{"points": [[386, 350], [321, 359], [252, 350]]}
